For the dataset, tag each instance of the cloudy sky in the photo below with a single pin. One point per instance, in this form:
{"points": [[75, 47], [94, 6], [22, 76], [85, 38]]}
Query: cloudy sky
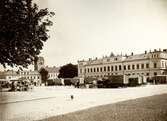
{"points": [[92, 28]]}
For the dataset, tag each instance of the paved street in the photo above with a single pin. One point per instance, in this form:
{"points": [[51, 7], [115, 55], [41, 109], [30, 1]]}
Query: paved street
{"points": [[43, 102]]}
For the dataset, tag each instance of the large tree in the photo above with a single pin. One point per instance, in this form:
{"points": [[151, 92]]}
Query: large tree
{"points": [[68, 71], [23, 29]]}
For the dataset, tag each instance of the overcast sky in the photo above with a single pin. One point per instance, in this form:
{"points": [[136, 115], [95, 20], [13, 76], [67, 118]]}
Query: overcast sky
{"points": [[92, 28]]}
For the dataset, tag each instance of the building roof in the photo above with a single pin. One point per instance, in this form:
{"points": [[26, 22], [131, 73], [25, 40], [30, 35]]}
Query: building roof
{"points": [[10, 72], [119, 58], [136, 57], [52, 69]]}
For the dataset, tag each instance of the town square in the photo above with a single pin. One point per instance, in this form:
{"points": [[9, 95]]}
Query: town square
{"points": [[83, 60]]}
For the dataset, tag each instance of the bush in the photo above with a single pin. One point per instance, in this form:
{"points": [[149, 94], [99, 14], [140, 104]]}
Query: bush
{"points": [[58, 82], [67, 82], [52, 82]]}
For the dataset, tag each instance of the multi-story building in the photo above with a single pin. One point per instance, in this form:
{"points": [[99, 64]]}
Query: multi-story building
{"points": [[33, 76], [53, 72], [148, 64]]}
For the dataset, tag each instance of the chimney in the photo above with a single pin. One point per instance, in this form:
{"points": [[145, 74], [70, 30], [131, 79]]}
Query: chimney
{"points": [[145, 52], [90, 59]]}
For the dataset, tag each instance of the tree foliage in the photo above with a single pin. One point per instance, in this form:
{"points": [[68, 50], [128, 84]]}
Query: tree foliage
{"points": [[68, 71], [23, 29], [44, 75]]}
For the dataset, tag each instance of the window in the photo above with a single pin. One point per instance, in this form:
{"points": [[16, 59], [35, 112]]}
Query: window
{"points": [[128, 67], [101, 69], [108, 68], [112, 68], [147, 74], [104, 68], [88, 70], [147, 65], [124, 67], [142, 66], [154, 56], [97, 69], [155, 65], [91, 70], [80, 70], [115, 68], [137, 66], [163, 65], [120, 67], [155, 73], [133, 67], [94, 70]]}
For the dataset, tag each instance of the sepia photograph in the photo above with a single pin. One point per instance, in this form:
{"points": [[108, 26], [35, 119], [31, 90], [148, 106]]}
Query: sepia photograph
{"points": [[83, 60]]}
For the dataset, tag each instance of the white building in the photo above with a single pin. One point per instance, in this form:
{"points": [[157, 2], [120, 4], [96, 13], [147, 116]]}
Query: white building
{"points": [[53, 72], [33, 76], [148, 64]]}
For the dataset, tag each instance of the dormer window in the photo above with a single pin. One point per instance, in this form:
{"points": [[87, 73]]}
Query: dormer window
{"points": [[108, 60]]}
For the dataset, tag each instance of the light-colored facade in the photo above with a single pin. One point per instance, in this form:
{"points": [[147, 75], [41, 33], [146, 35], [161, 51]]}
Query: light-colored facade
{"points": [[33, 76], [147, 64], [53, 72]]}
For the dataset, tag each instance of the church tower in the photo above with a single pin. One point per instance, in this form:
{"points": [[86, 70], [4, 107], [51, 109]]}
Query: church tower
{"points": [[39, 64]]}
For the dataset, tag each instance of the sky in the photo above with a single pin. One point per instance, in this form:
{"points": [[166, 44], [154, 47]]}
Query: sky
{"points": [[86, 29]]}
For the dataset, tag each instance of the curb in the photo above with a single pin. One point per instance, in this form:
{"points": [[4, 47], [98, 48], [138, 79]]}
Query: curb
{"points": [[18, 101]]}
